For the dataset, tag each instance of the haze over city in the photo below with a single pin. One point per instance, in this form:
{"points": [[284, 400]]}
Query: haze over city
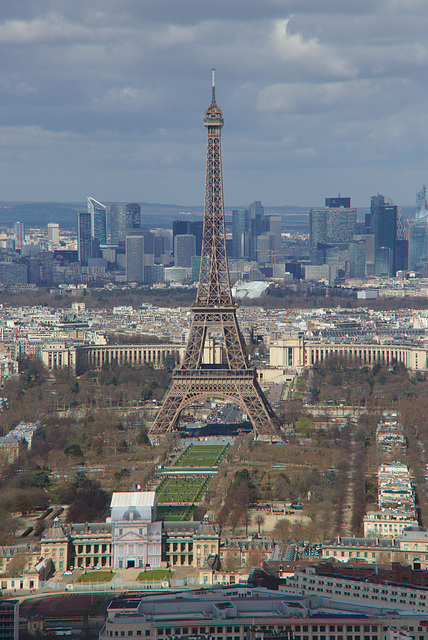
{"points": [[106, 98]]}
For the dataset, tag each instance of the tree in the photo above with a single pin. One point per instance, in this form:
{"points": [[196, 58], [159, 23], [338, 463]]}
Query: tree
{"points": [[33, 371], [281, 530], [259, 520], [17, 565], [74, 450]]}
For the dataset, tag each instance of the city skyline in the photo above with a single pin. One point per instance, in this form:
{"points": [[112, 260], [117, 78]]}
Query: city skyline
{"points": [[319, 97]]}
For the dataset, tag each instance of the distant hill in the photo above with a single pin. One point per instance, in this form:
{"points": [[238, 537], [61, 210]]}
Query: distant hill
{"points": [[38, 214]]}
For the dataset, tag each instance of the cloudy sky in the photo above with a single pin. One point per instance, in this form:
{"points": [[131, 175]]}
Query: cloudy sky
{"points": [[107, 97]]}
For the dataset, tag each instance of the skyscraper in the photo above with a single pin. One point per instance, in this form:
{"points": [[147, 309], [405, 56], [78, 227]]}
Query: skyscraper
{"points": [[98, 213], [383, 223], [274, 227], [240, 233], [84, 237], [53, 233], [123, 218], [332, 224], [256, 222], [135, 258], [186, 227], [184, 249], [135, 211], [19, 229], [418, 235]]}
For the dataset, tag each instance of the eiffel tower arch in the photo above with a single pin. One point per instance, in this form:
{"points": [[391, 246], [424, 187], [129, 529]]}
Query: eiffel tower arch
{"points": [[214, 317]]}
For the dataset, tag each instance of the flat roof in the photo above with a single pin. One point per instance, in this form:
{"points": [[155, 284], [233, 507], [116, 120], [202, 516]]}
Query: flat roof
{"points": [[133, 499]]}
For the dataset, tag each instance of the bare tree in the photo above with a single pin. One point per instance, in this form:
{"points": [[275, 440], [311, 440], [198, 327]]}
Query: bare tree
{"points": [[259, 520], [281, 530]]}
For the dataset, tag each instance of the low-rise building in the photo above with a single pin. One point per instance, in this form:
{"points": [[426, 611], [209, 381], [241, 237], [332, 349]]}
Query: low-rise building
{"points": [[188, 544], [391, 587], [411, 548], [236, 613], [387, 523]]}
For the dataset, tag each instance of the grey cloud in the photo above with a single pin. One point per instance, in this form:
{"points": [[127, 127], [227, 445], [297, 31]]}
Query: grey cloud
{"points": [[112, 92]]}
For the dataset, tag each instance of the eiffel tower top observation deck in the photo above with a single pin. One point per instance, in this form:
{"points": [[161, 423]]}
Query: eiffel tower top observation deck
{"points": [[214, 284]]}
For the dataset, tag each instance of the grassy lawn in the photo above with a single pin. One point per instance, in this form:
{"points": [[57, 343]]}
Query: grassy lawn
{"points": [[175, 513], [97, 576], [155, 574], [182, 489], [202, 455]]}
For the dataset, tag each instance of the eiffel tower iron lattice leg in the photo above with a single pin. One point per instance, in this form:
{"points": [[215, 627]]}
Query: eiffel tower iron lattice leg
{"points": [[240, 387], [214, 312]]}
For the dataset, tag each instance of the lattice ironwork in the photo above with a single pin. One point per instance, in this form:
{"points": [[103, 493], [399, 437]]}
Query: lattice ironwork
{"points": [[214, 312]]}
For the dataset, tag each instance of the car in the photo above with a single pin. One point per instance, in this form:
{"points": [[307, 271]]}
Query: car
{"points": [[68, 573]]}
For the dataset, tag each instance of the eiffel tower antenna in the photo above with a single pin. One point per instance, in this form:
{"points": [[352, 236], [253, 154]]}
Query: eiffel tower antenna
{"points": [[214, 313]]}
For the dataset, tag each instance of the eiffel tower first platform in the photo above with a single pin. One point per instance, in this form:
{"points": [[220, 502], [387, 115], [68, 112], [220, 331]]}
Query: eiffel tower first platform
{"points": [[214, 315]]}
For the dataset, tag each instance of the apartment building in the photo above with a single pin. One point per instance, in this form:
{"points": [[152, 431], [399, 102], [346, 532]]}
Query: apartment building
{"points": [[321, 580]]}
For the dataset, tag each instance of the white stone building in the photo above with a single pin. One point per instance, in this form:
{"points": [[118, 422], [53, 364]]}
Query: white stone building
{"points": [[136, 533]]}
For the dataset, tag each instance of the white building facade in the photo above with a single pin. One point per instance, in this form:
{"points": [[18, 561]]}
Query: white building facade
{"points": [[136, 534]]}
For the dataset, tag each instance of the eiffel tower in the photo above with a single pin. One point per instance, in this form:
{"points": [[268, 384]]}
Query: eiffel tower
{"points": [[214, 312]]}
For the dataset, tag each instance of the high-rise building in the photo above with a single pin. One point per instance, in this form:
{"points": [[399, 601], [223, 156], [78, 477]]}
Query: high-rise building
{"points": [[247, 226], [256, 222], [140, 248], [421, 203], [13, 273], [274, 227], [135, 210], [357, 259], [98, 213], [240, 233], [189, 227], [184, 250], [418, 235], [84, 237], [19, 229], [53, 233], [135, 259], [40, 269], [123, 219], [383, 223], [332, 224], [263, 250]]}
